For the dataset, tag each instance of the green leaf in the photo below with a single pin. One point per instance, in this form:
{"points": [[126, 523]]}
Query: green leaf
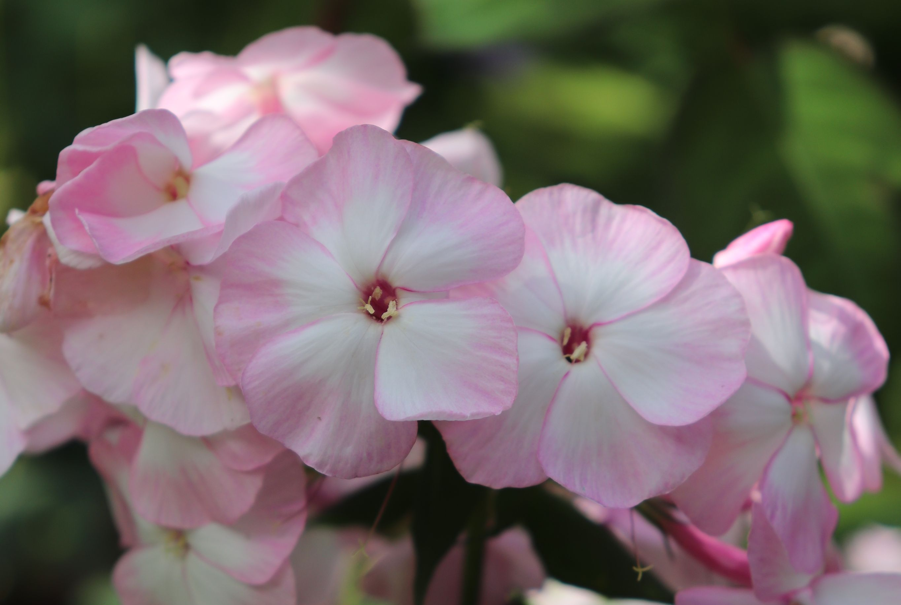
{"points": [[444, 503], [574, 549]]}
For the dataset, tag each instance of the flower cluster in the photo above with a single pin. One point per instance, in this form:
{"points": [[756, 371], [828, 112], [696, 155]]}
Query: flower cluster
{"points": [[251, 277]]}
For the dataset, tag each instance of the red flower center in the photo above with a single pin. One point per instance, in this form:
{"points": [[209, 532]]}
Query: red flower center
{"points": [[575, 343], [380, 302]]}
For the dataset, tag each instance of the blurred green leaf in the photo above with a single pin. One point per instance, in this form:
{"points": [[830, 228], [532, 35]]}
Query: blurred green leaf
{"points": [[469, 23]]}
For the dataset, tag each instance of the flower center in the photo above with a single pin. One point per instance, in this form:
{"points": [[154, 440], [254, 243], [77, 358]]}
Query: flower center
{"points": [[265, 97], [380, 302], [178, 187], [800, 409], [575, 343], [176, 543]]}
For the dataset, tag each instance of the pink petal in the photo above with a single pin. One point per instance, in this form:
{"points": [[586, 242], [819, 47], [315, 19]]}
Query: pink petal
{"points": [[776, 299], [69, 257], [589, 424], [312, 390], [151, 576], [354, 199], [850, 356], [771, 570], [457, 231], [276, 279], [446, 360], [502, 451], [178, 482], [243, 449], [151, 76], [717, 595], [254, 549], [293, 47], [210, 585], [72, 421], [26, 258], [205, 282], [873, 444], [609, 260], [529, 293], [838, 453], [770, 238], [680, 358], [469, 151], [12, 441], [748, 430], [272, 150], [850, 588], [361, 81], [796, 504]]}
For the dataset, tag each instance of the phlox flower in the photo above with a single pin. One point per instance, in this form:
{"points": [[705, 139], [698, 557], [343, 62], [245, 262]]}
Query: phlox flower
{"points": [[151, 78], [325, 83], [241, 563], [131, 186], [27, 265], [35, 383], [510, 567], [470, 151], [811, 355], [625, 346], [874, 448], [776, 582], [337, 321]]}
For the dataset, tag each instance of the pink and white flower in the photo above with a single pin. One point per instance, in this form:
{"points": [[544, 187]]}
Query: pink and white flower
{"points": [[35, 383], [776, 582], [625, 346], [470, 151], [242, 563], [874, 447], [337, 321], [810, 355], [769, 238], [325, 83], [131, 186]]}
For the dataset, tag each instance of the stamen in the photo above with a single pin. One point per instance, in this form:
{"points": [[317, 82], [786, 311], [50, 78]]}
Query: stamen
{"points": [[178, 187], [391, 312], [579, 354], [176, 543], [367, 306], [377, 293], [567, 333]]}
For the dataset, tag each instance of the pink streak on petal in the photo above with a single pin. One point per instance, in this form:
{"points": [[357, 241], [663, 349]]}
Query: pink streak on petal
{"points": [[770, 238]]}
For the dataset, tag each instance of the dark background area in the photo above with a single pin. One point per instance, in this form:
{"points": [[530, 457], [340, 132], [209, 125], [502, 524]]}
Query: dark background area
{"points": [[717, 115]]}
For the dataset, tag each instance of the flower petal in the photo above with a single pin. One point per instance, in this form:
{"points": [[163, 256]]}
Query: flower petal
{"points": [[850, 357], [151, 576], [796, 504], [26, 258], [312, 390], [678, 359], [717, 595], [502, 451], [354, 199], [12, 441], [771, 570], [446, 360], [276, 279], [210, 585], [243, 449], [748, 429], [838, 452], [151, 76], [178, 482], [770, 238], [869, 588], [470, 151], [589, 425], [776, 299], [609, 260]]}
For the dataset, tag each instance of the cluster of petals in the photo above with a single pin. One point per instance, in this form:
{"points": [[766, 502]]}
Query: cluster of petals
{"points": [[812, 357]]}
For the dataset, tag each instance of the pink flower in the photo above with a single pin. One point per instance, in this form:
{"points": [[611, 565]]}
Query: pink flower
{"points": [[325, 83], [469, 151], [625, 345], [777, 582], [151, 78], [27, 265], [875, 549], [511, 567], [131, 186], [141, 334], [35, 383], [810, 355], [242, 563], [337, 322], [873, 445]]}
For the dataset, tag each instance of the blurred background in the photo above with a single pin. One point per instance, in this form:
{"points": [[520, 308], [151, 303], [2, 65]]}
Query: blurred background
{"points": [[717, 115]]}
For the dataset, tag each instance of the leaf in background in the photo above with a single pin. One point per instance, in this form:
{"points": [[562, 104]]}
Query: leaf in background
{"points": [[444, 504], [574, 549], [470, 23]]}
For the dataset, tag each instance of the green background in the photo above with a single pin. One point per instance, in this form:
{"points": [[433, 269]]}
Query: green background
{"points": [[717, 115]]}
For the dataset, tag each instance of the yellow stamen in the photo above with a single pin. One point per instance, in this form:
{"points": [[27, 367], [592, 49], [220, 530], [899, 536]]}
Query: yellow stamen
{"points": [[641, 570], [377, 293], [392, 310], [176, 543], [579, 353], [367, 306], [178, 187], [567, 333]]}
